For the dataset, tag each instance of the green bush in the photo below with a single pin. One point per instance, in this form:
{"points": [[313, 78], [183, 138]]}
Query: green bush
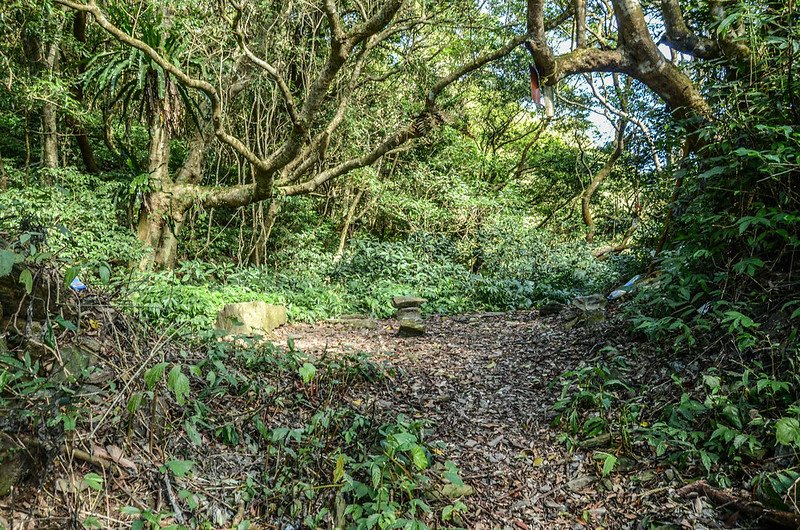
{"points": [[512, 248], [74, 215]]}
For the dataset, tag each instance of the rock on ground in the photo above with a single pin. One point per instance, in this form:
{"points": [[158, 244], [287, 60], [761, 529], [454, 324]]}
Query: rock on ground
{"points": [[247, 318]]}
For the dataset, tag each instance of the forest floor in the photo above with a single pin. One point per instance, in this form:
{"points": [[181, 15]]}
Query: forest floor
{"points": [[488, 382]]}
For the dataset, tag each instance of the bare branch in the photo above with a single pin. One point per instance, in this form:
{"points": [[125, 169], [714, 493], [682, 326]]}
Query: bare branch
{"points": [[264, 65], [471, 66], [629, 117]]}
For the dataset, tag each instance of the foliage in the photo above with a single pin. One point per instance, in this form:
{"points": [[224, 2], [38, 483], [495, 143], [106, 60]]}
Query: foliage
{"points": [[314, 286], [727, 292], [718, 424], [73, 215], [331, 460]]}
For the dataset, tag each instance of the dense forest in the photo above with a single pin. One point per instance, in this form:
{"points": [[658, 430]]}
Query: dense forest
{"points": [[399, 264]]}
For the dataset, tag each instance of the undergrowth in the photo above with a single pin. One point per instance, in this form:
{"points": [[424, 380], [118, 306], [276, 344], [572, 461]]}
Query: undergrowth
{"points": [[315, 286], [312, 450]]}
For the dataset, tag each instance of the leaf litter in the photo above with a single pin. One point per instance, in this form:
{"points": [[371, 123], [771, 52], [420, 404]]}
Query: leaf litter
{"points": [[487, 382]]}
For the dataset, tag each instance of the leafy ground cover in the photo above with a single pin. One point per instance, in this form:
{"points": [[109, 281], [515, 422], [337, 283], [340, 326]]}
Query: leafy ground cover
{"points": [[237, 435]]}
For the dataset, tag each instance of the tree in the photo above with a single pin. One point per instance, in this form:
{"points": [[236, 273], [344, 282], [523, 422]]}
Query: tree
{"points": [[313, 106], [633, 51]]}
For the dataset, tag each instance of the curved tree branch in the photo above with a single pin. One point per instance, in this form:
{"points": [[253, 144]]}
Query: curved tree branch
{"points": [[681, 38], [198, 84]]}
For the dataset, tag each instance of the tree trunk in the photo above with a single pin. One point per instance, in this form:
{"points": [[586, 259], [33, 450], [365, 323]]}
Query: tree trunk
{"points": [[597, 180], [258, 256], [50, 116], [348, 221], [156, 203], [85, 147]]}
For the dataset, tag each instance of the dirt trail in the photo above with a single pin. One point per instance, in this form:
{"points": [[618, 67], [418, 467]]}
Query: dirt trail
{"points": [[486, 382]]}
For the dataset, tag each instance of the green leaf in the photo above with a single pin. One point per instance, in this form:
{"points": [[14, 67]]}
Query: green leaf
{"points": [[376, 476], [307, 372], [787, 431], [66, 324], [338, 471], [419, 457], [92, 522], [135, 402], [178, 383], [727, 22], [153, 374], [94, 481], [26, 279], [609, 462], [104, 271], [192, 433], [608, 465], [7, 261], [402, 441], [179, 468], [70, 275], [130, 510]]}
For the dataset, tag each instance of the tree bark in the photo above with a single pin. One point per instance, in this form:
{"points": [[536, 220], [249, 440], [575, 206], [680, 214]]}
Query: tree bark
{"points": [[153, 229], [636, 55], [597, 180], [82, 139], [348, 221], [49, 115], [258, 254]]}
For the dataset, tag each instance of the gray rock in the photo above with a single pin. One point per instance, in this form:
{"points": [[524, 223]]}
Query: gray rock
{"points": [[595, 302], [76, 360], [407, 301], [248, 318], [587, 310], [409, 313], [411, 328]]}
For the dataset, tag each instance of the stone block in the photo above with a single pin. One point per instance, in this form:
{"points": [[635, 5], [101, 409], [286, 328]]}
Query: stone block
{"points": [[249, 318], [411, 328], [401, 302]]}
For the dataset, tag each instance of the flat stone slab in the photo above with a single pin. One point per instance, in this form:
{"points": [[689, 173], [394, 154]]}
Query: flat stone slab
{"points": [[248, 318], [401, 302], [411, 328], [409, 313]]}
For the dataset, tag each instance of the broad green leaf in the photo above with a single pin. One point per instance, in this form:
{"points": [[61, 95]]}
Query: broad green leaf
{"points": [[7, 261], [307, 372], [338, 471], [104, 271], [153, 374], [179, 468], [26, 279], [192, 433], [70, 275], [376, 476], [608, 465], [178, 383], [419, 457], [135, 402], [787, 431], [402, 440], [94, 481]]}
